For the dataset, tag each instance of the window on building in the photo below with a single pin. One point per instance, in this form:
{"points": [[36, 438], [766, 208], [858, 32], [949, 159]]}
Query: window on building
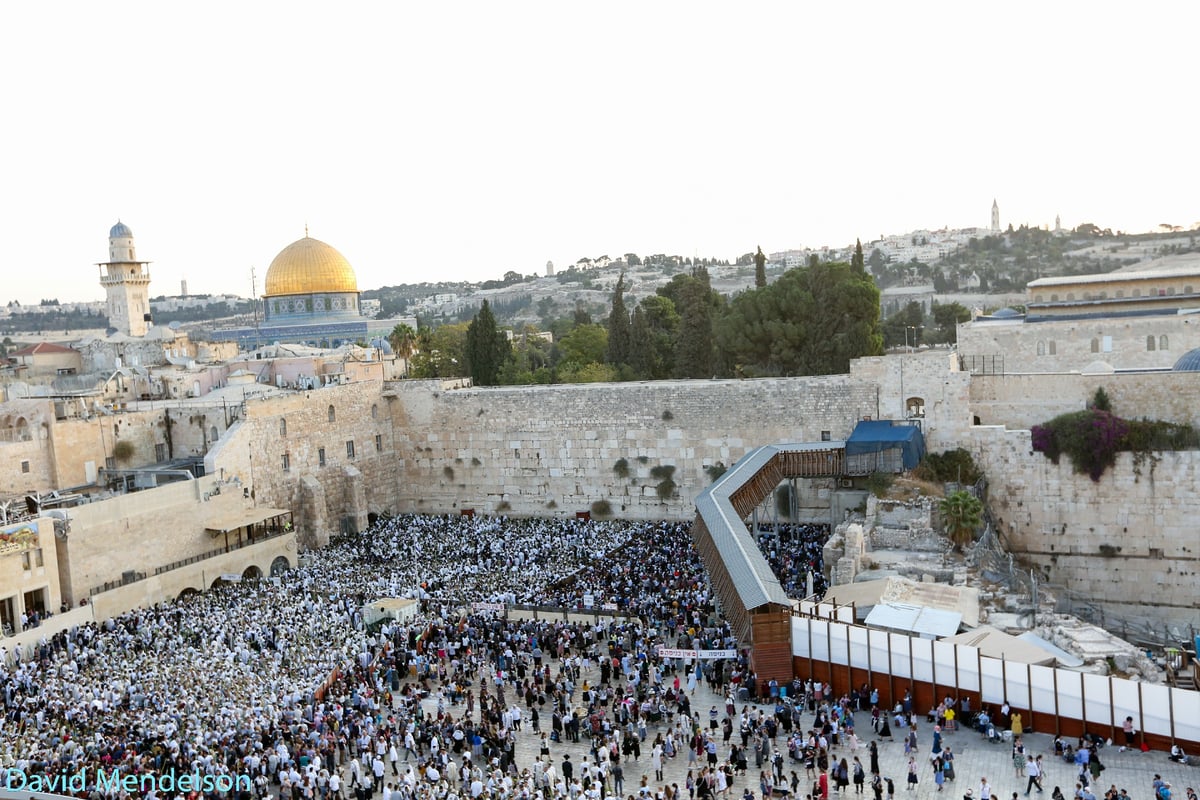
{"points": [[1149, 342], [378, 443], [332, 414], [1156, 552], [286, 462], [282, 426], [160, 452], [350, 449], [1162, 342], [1070, 296], [38, 558], [1104, 295], [1053, 298], [1041, 348], [1095, 345], [825, 436], [212, 434], [1052, 348], [25, 467], [25, 563], [374, 411], [1187, 289], [1170, 291], [110, 462], [320, 456], [1137, 292], [1106, 344], [1037, 299]]}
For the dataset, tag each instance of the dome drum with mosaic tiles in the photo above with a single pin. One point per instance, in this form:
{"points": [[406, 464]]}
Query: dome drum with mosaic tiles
{"points": [[310, 280]]}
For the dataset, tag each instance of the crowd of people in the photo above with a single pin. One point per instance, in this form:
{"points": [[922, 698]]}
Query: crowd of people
{"points": [[280, 688], [282, 681], [796, 553]]}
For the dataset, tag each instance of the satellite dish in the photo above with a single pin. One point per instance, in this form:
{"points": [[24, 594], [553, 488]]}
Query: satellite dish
{"points": [[174, 325]]}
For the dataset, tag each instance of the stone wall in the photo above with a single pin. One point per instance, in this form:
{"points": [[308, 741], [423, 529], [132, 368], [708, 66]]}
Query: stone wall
{"points": [[1026, 347], [141, 531], [299, 427], [1021, 401], [928, 382], [1128, 541], [551, 450]]}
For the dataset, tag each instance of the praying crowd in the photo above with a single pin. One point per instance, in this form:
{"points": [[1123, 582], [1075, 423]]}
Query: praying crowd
{"points": [[281, 687]]}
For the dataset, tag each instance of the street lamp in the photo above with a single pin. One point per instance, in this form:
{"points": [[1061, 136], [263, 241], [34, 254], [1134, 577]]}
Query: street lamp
{"points": [[908, 328]]}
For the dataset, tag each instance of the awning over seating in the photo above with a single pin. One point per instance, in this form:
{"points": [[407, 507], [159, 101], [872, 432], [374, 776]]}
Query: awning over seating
{"points": [[242, 518]]}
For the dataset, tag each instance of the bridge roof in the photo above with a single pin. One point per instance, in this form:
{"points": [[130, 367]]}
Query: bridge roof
{"points": [[748, 569]]}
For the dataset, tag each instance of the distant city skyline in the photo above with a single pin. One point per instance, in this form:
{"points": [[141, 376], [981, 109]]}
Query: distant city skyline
{"points": [[457, 143]]}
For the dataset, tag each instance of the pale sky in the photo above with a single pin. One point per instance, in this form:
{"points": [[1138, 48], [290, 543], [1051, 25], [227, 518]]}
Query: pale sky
{"points": [[459, 140]]}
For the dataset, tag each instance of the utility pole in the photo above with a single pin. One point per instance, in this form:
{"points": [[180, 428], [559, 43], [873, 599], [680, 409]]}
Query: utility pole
{"points": [[254, 305]]}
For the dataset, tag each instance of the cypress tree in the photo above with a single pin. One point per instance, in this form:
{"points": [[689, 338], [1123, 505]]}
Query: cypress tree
{"points": [[618, 327]]}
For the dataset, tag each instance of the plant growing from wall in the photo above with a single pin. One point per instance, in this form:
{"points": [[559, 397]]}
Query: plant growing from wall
{"points": [[715, 471], [123, 450], [783, 500], [503, 506], [665, 475], [621, 468], [601, 509], [956, 465], [962, 515], [448, 471], [667, 416]]}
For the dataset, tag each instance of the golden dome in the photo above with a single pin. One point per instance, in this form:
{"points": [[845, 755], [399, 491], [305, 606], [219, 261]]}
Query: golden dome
{"points": [[307, 266]]}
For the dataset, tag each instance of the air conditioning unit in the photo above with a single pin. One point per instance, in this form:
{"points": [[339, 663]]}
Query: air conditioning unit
{"points": [[846, 483]]}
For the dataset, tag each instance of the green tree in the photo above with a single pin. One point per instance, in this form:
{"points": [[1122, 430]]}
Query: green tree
{"points": [[619, 339], [441, 352], [585, 344], [403, 340], [760, 269], [812, 321], [962, 515], [487, 348], [946, 318], [653, 331], [857, 262], [896, 328], [694, 344]]}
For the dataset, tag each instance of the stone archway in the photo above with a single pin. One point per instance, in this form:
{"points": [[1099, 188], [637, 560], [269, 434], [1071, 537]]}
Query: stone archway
{"points": [[252, 573], [279, 566], [188, 594], [219, 583]]}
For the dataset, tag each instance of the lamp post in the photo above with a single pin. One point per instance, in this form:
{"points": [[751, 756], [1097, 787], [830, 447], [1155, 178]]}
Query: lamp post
{"points": [[908, 328]]}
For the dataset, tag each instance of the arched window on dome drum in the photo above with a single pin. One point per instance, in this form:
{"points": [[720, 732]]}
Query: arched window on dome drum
{"points": [[1162, 342], [1149, 342], [332, 414]]}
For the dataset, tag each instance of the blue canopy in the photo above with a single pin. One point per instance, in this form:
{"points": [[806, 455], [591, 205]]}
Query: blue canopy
{"points": [[879, 436]]}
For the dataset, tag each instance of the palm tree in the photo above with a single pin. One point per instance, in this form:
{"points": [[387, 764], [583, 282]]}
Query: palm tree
{"points": [[403, 340], [962, 514]]}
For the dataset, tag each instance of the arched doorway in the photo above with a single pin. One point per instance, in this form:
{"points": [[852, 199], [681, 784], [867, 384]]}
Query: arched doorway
{"points": [[252, 573], [279, 566], [188, 594]]}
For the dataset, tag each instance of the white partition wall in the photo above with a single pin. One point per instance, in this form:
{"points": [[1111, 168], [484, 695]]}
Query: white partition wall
{"points": [[1098, 702]]}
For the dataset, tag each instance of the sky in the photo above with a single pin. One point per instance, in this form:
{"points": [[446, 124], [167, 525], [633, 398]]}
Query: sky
{"points": [[457, 141]]}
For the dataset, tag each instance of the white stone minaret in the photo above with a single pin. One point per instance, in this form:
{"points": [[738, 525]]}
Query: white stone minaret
{"points": [[995, 216], [126, 281]]}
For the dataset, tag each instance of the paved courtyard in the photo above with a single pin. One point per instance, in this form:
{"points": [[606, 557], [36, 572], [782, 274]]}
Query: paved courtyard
{"points": [[975, 758]]}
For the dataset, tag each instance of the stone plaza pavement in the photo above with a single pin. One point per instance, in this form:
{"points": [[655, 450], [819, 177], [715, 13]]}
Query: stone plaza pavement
{"points": [[974, 758]]}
